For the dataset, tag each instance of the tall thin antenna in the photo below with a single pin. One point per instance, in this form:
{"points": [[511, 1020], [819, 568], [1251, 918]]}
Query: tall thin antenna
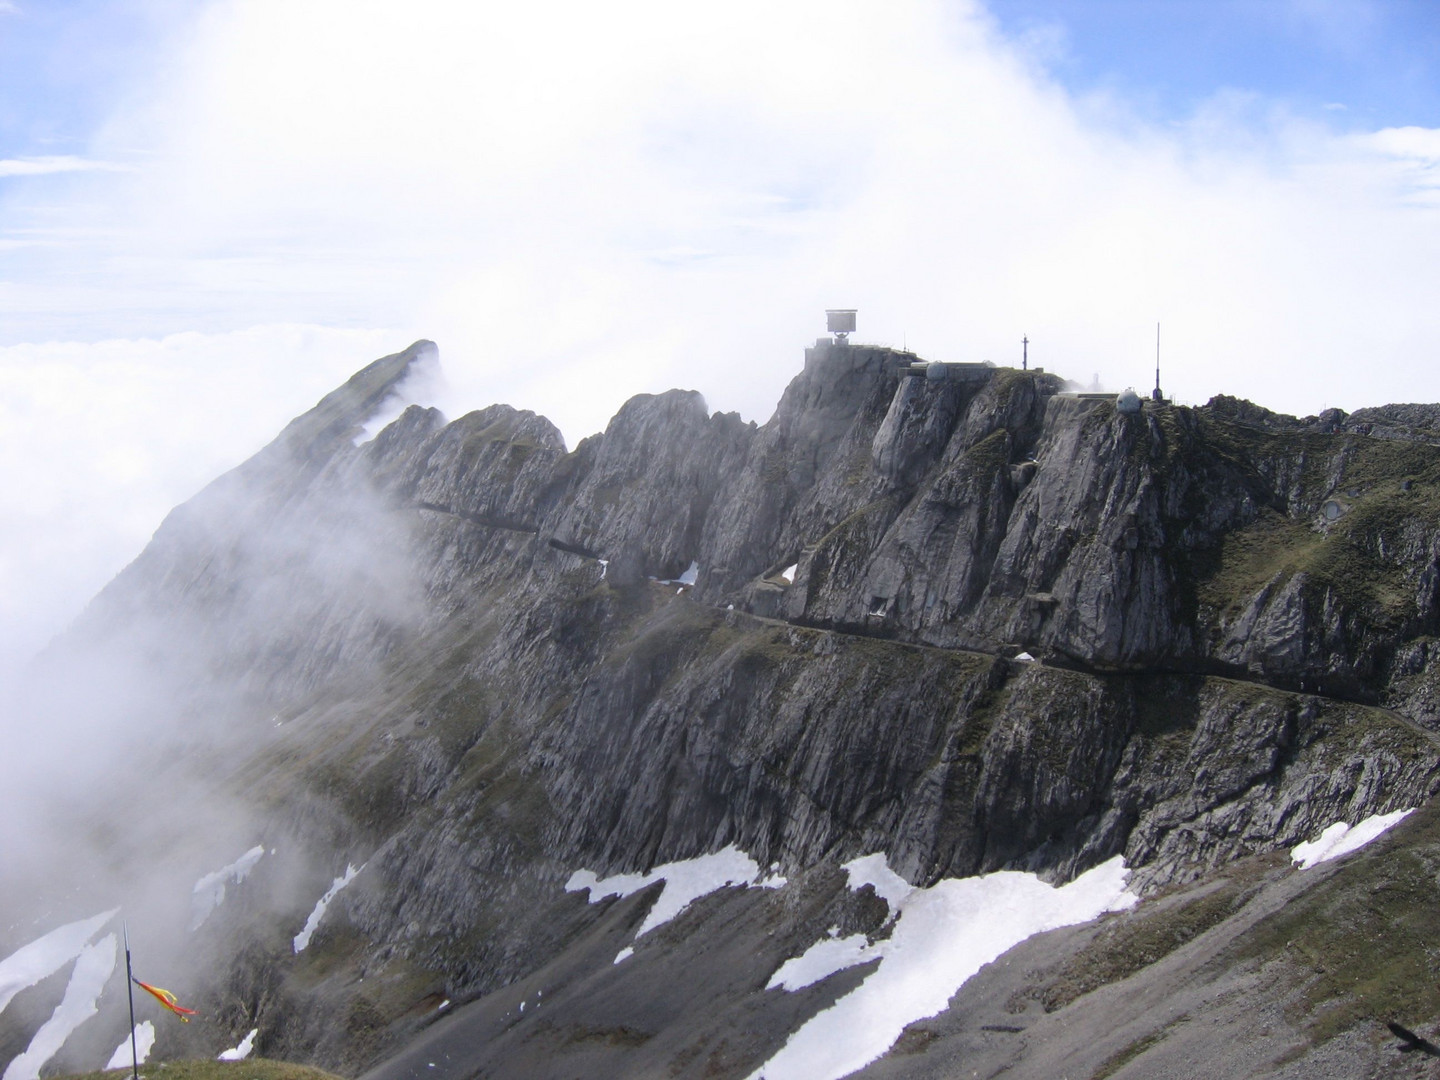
{"points": [[1025, 353], [1157, 395], [130, 990]]}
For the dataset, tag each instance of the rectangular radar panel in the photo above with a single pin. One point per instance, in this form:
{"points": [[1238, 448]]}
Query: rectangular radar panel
{"points": [[840, 320]]}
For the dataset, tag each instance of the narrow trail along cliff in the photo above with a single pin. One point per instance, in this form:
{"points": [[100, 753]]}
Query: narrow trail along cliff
{"points": [[948, 614]]}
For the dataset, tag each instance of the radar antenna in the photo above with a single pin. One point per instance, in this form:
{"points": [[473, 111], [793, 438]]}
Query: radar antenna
{"points": [[840, 322]]}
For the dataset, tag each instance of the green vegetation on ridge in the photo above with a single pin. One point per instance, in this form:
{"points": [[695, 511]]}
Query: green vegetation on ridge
{"points": [[204, 1069]]}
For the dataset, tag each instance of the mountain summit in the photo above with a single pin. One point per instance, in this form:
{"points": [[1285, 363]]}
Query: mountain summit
{"points": [[724, 750]]}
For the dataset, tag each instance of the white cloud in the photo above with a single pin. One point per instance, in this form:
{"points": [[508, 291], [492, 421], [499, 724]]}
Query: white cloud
{"points": [[581, 202], [1414, 153], [99, 441], [38, 166], [633, 196]]}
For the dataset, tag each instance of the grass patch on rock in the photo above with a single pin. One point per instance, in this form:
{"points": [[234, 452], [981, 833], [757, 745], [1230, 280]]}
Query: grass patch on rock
{"points": [[1129, 944], [1117, 1061], [1362, 946], [249, 1069]]}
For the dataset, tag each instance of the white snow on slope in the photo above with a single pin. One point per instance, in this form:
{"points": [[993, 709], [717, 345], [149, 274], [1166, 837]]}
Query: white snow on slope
{"points": [[47, 954], [685, 882], [241, 1052], [144, 1043], [942, 936], [874, 870], [820, 961], [312, 924], [1340, 839], [93, 968], [209, 892], [689, 577], [788, 574]]}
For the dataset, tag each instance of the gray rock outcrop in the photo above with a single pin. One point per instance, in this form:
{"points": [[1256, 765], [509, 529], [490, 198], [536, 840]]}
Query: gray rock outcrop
{"points": [[459, 655]]}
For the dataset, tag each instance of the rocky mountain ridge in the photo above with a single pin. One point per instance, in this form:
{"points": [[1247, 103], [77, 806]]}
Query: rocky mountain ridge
{"points": [[960, 617]]}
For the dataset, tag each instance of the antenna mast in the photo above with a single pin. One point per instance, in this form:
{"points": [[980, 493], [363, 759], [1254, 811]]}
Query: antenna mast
{"points": [[1157, 396], [130, 989]]}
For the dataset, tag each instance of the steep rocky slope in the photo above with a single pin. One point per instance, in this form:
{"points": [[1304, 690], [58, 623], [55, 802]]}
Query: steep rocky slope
{"points": [[962, 619]]}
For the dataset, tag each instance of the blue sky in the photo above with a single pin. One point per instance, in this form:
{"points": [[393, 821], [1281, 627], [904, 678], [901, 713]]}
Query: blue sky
{"points": [[63, 63], [212, 211], [1351, 63]]}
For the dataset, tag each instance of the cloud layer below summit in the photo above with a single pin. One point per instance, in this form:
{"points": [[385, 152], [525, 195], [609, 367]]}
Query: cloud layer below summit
{"points": [[580, 203]]}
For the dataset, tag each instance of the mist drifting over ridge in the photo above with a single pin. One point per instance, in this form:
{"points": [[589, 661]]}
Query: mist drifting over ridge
{"points": [[583, 207], [587, 204], [427, 675], [120, 787]]}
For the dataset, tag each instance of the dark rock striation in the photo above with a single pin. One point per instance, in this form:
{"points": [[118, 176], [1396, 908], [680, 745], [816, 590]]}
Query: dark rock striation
{"points": [[457, 653]]}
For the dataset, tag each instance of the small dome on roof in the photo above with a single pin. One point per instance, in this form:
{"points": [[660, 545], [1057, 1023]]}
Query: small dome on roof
{"points": [[1128, 401], [935, 371]]}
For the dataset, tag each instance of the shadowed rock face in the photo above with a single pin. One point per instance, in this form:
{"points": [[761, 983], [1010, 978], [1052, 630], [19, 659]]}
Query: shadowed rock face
{"points": [[486, 681]]}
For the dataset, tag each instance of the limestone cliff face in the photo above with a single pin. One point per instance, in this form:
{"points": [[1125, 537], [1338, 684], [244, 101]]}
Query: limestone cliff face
{"points": [[488, 678]]}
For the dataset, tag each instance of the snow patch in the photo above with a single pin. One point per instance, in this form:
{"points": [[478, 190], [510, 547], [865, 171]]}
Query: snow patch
{"points": [[820, 961], [686, 881], [144, 1043], [788, 574], [1340, 839], [241, 1052], [93, 968], [1025, 658], [942, 936], [209, 891], [47, 954], [625, 953], [692, 572], [312, 924], [874, 870]]}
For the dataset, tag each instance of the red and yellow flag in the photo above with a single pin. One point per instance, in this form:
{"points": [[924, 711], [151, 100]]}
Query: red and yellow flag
{"points": [[166, 998]]}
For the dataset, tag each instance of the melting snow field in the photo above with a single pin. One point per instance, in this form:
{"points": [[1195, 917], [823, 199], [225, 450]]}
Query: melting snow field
{"points": [[1340, 839], [241, 1052], [942, 936], [820, 961], [209, 891], [47, 954], [312, 924], [144, 1043], [685, 882], [93, 968]]}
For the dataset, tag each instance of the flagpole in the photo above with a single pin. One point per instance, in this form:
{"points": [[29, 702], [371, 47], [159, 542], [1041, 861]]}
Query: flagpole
{"points": [[130, 991]]}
